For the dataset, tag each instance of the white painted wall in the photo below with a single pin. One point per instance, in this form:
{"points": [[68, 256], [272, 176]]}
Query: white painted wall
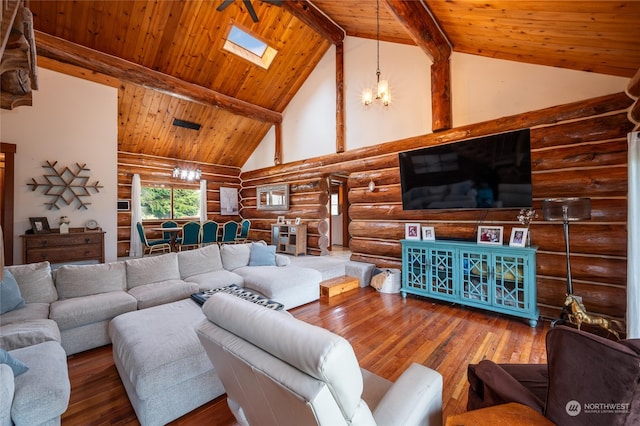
{"points": [[485, 88], [71, 121], [482, 89]]}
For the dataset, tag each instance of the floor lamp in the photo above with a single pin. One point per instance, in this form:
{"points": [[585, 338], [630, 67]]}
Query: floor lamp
{"points": [[572, 210], [567, 210]]}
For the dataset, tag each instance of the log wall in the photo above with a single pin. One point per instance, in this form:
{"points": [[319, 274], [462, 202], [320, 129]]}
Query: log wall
{"points": [[158, 171], [578, 150]]}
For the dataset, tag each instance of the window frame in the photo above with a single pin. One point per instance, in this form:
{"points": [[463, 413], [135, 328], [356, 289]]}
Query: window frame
{"points": [[172, 188]]}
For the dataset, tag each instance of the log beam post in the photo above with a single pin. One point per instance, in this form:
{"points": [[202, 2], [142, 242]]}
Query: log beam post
{"points": [[340, 134], [426, 33]]}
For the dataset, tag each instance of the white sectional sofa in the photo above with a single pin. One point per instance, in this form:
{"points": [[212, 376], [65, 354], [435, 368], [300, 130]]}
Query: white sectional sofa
{"points": [[73, 305]]}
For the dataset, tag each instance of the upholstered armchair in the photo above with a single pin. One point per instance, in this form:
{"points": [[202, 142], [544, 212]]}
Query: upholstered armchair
{"points": [[588, 380], [278, 370]]}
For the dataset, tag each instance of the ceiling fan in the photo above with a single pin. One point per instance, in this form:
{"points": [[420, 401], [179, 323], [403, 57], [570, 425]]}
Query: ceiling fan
{"points": [[249, 6]]}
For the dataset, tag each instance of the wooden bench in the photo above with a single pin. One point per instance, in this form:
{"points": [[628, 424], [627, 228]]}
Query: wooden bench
{"points": [[338, 285]]}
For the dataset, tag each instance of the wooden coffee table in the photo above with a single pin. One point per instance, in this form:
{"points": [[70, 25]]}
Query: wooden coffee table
{"points": [[511, 414]]}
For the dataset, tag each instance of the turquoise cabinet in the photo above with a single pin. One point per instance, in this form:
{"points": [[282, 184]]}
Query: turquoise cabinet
{"points": [[493, 277]]}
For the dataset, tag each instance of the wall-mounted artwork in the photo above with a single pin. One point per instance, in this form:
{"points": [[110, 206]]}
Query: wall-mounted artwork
{"points": [[65, 185], [228, 201]]}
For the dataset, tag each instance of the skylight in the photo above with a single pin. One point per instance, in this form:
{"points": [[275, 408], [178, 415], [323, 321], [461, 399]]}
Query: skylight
{"points": [[248, 47]]}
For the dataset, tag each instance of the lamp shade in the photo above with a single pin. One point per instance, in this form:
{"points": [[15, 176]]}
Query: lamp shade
{"points": [[571, 209]]}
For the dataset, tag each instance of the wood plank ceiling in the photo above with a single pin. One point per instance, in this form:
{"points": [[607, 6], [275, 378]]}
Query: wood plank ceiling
{"points": [[184, 39]]}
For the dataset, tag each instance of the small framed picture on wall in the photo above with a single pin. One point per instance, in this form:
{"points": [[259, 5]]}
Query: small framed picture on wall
{"points": [[428, 233], [412, 231], [490, 235]]}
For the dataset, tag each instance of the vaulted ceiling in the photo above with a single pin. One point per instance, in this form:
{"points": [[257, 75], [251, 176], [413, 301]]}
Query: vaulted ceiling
{"points": [[166, 57]]}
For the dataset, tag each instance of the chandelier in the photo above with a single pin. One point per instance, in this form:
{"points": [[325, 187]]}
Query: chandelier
{"points": [[382, 86], [185, 174]]}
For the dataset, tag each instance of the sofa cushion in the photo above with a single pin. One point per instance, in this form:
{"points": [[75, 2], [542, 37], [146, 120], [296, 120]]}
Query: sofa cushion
{"points": [[85, 280], [10, 297], [30, 311], [291, 285], [200, 261], [42, 393], [28, 333], [262, 255], [18, 367], [152, 269], [158, 347], [35, 281], [216, 279], [7, 389], [78, 311], [282, 260], [235, 255], [154, 294]]}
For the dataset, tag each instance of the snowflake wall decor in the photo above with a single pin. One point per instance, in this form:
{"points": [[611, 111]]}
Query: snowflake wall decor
{"points": [[65, 185]]}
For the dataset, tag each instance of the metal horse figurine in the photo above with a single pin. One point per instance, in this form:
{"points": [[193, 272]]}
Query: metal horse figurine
{"points": [[577, 314]]}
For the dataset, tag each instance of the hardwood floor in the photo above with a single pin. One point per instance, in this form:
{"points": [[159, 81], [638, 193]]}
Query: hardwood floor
{"points": [[386, 331]]}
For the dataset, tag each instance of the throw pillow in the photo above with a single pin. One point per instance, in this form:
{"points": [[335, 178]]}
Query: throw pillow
{"points": [[10, 297], [16, 365], [262, 255]]}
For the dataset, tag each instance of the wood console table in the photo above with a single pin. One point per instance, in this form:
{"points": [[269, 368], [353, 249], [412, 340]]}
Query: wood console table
{"points": [[58, 248]]}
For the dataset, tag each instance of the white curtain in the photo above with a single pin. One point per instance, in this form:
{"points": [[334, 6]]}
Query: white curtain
{"points": [[203, 201], [633, 240], [135, 245]]}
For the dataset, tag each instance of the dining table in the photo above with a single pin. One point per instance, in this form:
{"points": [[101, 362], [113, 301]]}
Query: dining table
{"points": [[173, 235]]}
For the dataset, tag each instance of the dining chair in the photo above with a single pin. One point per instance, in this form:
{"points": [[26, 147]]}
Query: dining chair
{"points": [[190, 235], [243, 235], [229, 232], [166, 235], [149, 246], [209, 233]]}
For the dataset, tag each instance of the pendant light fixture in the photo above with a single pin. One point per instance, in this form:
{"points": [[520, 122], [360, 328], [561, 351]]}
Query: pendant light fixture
{"points": [[382, 86]]}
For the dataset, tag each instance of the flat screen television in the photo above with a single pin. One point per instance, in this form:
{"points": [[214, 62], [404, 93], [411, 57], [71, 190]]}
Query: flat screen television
{"points": [[481, 173]]}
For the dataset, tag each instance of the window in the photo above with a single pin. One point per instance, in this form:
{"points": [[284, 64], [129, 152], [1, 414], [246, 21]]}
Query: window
{"points": [[248, 47], [335, 204], [169, 203]]}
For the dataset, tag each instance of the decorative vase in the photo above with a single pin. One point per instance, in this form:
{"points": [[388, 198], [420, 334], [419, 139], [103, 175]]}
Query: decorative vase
{"points": [[64, 228], [528, 243]]}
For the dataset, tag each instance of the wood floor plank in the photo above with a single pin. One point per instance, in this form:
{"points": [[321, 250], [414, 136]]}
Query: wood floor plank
{"points": [[387, 333]]}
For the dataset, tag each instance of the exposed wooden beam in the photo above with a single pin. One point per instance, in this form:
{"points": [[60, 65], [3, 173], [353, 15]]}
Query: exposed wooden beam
{"points": [[340, 136], [64, 51], [277, 155], [311, 16], [422, 28], [441, 111]]}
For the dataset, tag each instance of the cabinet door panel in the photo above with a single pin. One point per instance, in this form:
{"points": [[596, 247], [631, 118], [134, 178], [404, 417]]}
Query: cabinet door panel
{"points": [[441, 262], [510, 290], [417, 268], [476, 277]]}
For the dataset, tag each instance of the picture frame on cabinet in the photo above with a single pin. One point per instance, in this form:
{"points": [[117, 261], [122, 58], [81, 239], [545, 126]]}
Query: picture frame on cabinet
{"points": [[428, 233], [298, 221], [490, 235], [40, 225], [280, 220], [518, 237], [412, 231]]}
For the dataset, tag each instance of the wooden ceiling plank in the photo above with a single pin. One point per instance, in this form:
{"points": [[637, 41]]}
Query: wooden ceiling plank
{"points": [[422, 27], [312, 17], [64, 51]]}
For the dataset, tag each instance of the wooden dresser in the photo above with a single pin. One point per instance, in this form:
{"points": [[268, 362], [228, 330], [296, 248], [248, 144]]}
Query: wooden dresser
{"points": [[58, 248]]}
